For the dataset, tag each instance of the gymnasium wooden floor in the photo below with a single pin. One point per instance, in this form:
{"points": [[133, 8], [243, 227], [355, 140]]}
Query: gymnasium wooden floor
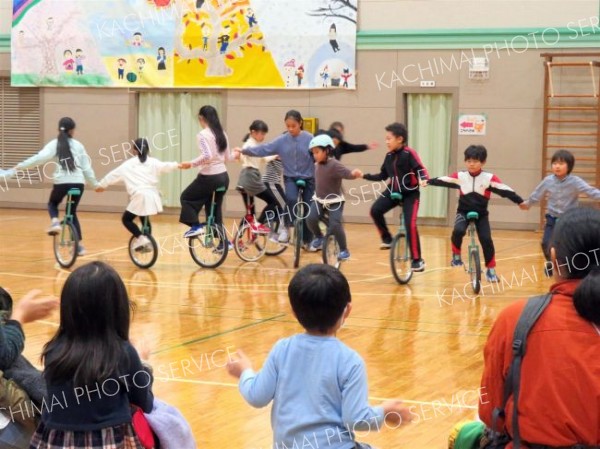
{"points": [[421, 343]]}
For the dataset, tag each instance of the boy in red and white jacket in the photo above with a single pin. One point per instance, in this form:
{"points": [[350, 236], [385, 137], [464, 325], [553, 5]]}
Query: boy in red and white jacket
{"points": [[476, 187]]}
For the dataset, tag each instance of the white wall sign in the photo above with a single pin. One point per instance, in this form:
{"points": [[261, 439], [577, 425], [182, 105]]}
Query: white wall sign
{"points": [[472, 124]]}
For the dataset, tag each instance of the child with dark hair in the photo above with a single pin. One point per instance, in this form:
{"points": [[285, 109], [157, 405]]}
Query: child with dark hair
{"points": [[73, 168], [476, 187], [140, 175], [317, 384], [562, 190], [403, 167], [95, 315], [336, 132], [559, 383], [292, 149], [213, 147], [250, 183]]}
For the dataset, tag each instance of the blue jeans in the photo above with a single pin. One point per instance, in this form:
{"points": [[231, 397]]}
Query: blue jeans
{"points": [[548, 231]]}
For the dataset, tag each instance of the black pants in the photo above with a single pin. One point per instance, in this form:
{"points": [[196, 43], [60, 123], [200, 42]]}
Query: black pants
{"points": [[273, 217], [484, 233], [59, 191], [199, 194], [127, 221], [268, 197], [410, 209]]}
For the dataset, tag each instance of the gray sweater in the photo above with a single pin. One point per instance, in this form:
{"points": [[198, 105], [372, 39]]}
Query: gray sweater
{"points": [[562, 193], [328, 180]]}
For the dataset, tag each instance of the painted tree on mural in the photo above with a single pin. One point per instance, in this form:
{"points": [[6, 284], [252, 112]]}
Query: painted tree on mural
{"points": [[217, 30], [343, 9], [49, 38]]}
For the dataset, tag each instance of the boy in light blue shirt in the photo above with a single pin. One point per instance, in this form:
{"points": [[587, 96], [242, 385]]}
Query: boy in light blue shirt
{"points": [[317, 384], [562, 190]]}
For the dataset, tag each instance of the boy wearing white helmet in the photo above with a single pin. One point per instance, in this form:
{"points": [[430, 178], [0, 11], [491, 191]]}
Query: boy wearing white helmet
{"points": [[329, 173]]}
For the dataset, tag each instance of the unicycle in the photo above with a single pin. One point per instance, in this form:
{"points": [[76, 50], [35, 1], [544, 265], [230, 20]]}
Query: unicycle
{"points": [[209, 248], [66, 242], [249, 245], [144, 256], [400, 259], [298, 222], [474, 266]]}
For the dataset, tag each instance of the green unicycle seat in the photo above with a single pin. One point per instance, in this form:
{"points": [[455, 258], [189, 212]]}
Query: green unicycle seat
{"points": [[221, 189], [74, 192], [472, 216], [300, 182], [396, 196]]}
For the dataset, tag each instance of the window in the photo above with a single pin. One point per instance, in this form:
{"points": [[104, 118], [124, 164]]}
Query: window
{"points": [[19, 125]]}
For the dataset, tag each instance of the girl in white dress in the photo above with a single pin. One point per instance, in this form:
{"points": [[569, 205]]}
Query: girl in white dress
{"points": [[140, 175]]}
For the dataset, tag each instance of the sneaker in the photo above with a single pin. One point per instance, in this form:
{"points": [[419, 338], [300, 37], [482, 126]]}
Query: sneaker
{"points": [[418, 265], [385, 245], [194, 231], [219, 247], [54, 228], [284, 237], [140, 242], [274, 237], [81, 250], [456, 261], [316, 245], [344, 255], [490, 275], [259, 228]]}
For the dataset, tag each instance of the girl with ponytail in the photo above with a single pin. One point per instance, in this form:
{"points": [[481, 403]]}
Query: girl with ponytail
{"points": [[140, 175], [73, 168], [212, 174], [560, 374]]}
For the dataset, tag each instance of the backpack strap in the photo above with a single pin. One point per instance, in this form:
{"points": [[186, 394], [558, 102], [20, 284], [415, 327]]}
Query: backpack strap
{"points": [[530, 314]]}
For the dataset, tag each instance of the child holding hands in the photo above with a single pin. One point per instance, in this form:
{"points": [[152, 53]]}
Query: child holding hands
{"points": [[329, 173], [563, 190], [140, 175]]}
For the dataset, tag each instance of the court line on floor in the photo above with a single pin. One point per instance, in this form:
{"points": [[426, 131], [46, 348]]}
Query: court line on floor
{"points": [[248, 290], [376, 398], [218, 334], [437, 269]]}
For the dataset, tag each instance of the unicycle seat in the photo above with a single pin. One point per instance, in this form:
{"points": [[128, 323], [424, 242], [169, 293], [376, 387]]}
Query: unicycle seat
{"points": [[221, 189], [396, 196], [300, 182], [74, 192], [472, 216]]}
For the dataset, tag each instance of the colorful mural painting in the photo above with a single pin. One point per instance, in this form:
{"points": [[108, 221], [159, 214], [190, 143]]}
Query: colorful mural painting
{"points": [[287, 44]]}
